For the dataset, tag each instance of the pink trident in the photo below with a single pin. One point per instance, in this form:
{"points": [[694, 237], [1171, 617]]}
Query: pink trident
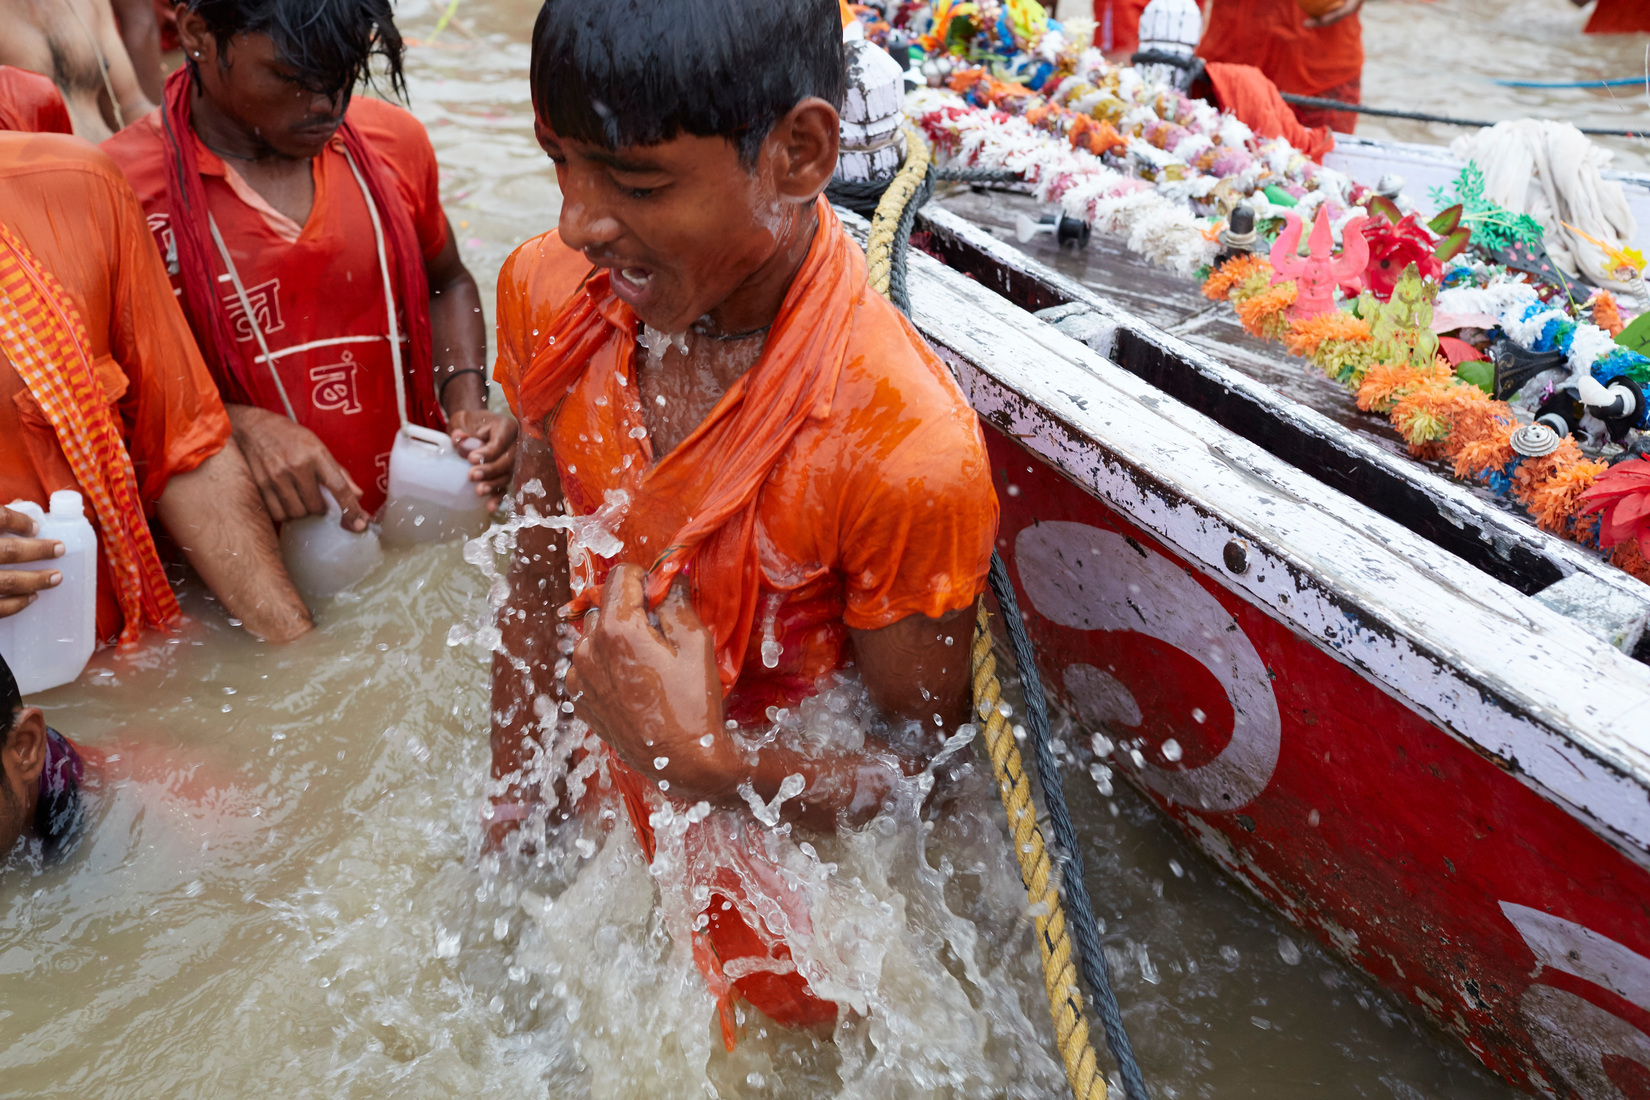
{"points": [[1323, 269]]}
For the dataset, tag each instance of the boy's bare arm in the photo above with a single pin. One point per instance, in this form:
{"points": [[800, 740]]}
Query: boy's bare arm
{"points": [[652, 693], [214, 514], [527, 623]]}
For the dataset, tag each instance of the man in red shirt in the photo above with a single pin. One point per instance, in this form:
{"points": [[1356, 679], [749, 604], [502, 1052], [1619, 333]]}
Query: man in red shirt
{"points": [[31, 103], [304, 233]]}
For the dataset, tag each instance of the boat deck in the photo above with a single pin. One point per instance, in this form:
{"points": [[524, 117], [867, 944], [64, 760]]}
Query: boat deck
{"points": [[1176, 305]]}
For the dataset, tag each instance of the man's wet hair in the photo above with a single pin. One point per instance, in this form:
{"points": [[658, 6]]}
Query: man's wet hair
{"points": [[623, 73], [328, 44], [11, 704]]}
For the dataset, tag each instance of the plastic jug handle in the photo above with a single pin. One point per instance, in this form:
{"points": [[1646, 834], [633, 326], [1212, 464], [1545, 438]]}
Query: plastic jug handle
{"points": [[438, 439]]}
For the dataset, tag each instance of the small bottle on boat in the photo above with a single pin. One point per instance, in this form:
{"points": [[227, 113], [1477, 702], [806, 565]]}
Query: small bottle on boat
{"points": [[48, 643], [431, 497], [322, 557]]}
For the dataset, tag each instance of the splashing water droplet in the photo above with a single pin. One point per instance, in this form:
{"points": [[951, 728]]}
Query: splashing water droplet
{"points": [[1288, 951], [659, 763], [707, 740], [1198, 716], [1171, 750], [587, 848]]}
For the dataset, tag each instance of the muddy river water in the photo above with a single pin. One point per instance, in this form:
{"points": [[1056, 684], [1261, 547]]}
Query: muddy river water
{"points": [[281, 891]]}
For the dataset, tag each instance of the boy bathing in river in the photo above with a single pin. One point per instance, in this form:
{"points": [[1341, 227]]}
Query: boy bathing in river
{"points": [[40, 775], [700, 368]]}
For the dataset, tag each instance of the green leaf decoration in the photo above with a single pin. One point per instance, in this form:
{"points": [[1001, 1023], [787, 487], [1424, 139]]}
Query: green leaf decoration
{"points": [[1454, 243], [1388, 209], [1636, 336], [1447, 221], [1401, 329], [1492, 226], [1478, 373]]}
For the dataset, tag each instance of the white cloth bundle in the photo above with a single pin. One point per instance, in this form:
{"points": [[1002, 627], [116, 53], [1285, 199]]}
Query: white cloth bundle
{"points": [[1550, 171]]}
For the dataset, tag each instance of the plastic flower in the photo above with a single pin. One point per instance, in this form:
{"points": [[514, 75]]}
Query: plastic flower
{"points": [[1622, 496], [1393, 247]]}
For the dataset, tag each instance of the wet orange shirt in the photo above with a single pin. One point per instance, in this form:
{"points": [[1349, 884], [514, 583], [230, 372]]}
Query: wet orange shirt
{"points": [[31, 102], [880, 509], [1272, 36], [316, 289], [71, 207]]}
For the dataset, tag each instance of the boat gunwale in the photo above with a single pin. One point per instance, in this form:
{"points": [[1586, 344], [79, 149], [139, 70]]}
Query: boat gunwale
{"points": [[1449, 667]]}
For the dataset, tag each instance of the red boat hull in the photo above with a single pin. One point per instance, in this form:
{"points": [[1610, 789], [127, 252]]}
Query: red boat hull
{"points": [[1499, 914]]}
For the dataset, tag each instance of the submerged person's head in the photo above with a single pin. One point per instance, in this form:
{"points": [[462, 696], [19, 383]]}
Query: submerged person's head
{"points": [[690, 137], [22, 758], [283, 70]]}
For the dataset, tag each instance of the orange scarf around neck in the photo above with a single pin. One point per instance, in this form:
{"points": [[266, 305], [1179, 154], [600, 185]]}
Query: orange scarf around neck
{"points": [[694, 513], [45, 340]]}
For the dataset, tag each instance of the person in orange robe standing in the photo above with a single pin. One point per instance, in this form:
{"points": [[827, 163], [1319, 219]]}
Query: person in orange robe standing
{"points": [[795, 483], [31, 103], [1117, 26], [102, 392], [1617, 16], [1320, 56]]}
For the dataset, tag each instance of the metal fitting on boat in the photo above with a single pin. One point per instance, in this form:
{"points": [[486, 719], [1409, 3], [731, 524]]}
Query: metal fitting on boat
{"points": [[1535, 440], [1239, 234], [1236, 556]]}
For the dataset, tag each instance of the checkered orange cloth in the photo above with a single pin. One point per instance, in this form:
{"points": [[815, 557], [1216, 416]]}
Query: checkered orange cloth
{"points": [[44, 339]]}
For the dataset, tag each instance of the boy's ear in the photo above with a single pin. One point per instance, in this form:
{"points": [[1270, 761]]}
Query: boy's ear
{"points": [[805, 142], [193, 36], [25, 751]]}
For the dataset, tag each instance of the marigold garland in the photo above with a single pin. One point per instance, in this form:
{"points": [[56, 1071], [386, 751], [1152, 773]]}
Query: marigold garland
{"points": [[1437, 415]]}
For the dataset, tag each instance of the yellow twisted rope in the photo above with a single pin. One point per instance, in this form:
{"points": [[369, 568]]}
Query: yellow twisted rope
{"points": [[879, 245], [1065, 998]]}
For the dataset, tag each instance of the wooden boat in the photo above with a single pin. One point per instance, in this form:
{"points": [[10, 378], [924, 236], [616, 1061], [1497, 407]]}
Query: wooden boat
{"points": [[1379, 701]]}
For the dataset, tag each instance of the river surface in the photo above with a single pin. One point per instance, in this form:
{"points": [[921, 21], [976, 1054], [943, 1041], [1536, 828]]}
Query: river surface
{"points": [[281, 891]]}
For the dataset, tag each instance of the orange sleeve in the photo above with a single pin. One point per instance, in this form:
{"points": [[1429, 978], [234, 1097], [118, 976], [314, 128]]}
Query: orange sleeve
{"points": [[917, 533], [171, 412], [405, 145], [532, 285]]}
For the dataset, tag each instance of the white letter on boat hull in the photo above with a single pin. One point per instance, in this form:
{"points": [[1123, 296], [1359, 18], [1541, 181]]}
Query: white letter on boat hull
{"points": [[1091, 579]]}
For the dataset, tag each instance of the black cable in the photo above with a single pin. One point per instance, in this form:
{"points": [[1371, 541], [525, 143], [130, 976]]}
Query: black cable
{"points": [[1421, 116], [1089, 952]]}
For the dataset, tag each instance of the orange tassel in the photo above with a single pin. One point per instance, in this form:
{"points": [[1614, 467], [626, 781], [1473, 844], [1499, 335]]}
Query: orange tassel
{"points": [[1308, 334], [1218, 286], [1263, 315], [1606, 314], [1630, 559]]}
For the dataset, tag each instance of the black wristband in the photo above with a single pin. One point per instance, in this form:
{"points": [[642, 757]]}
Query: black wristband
{"points": [[441, 390]]}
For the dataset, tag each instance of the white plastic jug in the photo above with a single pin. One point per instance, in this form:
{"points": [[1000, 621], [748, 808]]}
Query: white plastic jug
{"points": [[48, 643], [321, 557], [431, 497]]}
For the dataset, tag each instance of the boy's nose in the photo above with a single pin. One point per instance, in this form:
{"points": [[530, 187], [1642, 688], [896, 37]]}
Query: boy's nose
{"points": [[585, 222]]}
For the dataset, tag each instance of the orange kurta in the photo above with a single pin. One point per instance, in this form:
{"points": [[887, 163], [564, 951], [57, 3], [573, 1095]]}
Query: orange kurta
{"points": [[316, 289], [1272, 35], [70, 205], [874, 504], [31, 102]]}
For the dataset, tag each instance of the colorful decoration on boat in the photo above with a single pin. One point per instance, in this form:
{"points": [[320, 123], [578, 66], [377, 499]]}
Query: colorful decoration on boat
{"points": [[1385, 354]]}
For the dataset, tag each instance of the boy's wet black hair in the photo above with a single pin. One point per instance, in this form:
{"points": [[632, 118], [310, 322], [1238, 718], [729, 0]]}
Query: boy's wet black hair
{"points": [[328, 44], [622, 73]]}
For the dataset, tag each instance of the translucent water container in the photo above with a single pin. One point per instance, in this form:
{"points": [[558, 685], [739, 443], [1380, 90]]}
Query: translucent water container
{"points": [[48, 643], [431, 497], [322, 557]]}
